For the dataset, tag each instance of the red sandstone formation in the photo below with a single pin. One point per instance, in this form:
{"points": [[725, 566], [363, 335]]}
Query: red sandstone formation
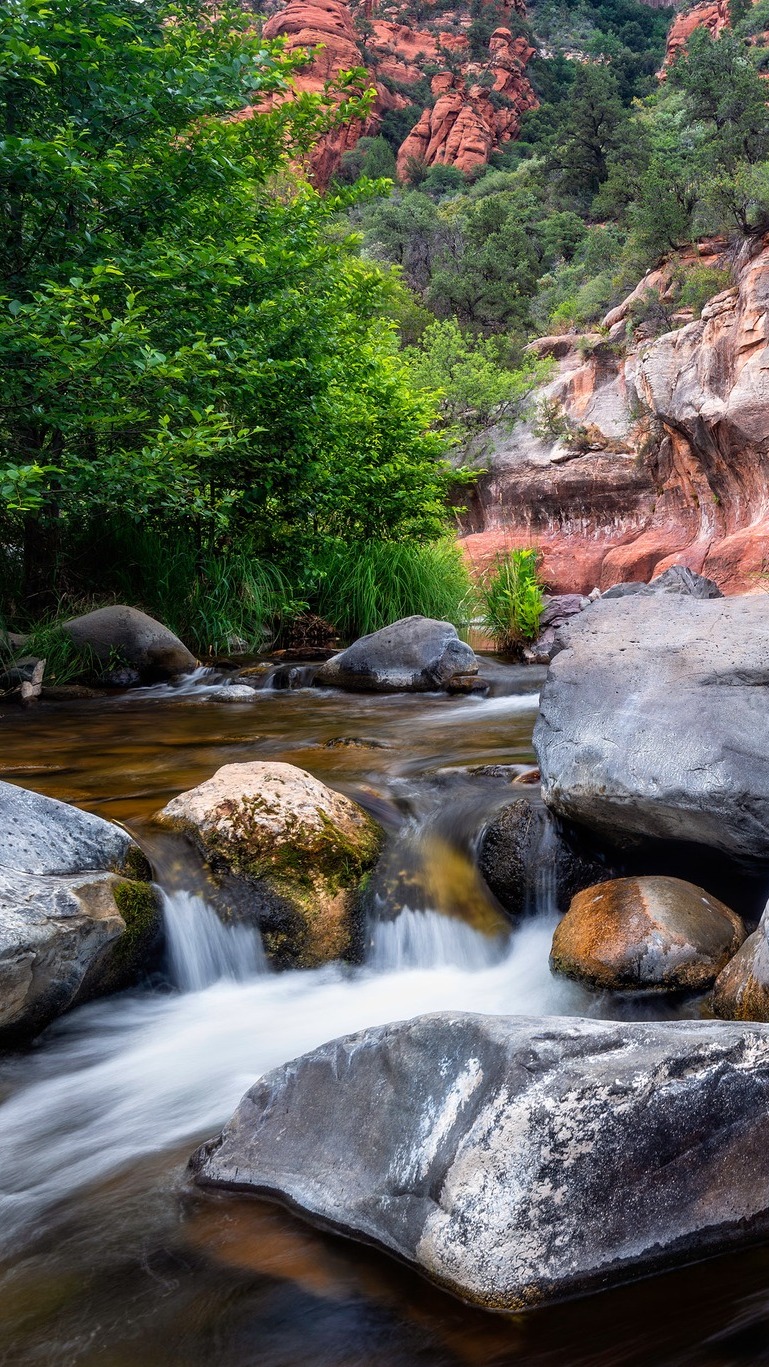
{"points": [[471, 118], [466, 124], [671, 464], [712, 15]]}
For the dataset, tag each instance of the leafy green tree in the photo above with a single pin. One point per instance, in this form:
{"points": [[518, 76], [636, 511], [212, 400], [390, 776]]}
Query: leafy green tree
{"points": [[590, 130], [474, 389], [183, 340]]}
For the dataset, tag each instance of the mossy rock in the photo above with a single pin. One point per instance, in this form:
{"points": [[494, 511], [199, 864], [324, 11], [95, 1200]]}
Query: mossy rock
{"points": [[289, 854]]}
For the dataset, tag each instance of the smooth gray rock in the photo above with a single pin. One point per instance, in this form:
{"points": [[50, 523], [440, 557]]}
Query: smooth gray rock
{"points": [[123, 636], [516, 1161], [678, 579], [39, 834], [63, 940], [77, 915], [415, 655], [654, 722], [556, 613]]}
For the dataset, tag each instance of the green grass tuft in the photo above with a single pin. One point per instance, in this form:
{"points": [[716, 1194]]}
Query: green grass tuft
{"points": [[362, 587], [512, 600]]}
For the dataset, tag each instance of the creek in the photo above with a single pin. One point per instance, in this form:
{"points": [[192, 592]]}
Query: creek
{"points": [[107, 1257]]}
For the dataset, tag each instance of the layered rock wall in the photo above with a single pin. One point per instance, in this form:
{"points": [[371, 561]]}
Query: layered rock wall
{"points": [[646, 454]]}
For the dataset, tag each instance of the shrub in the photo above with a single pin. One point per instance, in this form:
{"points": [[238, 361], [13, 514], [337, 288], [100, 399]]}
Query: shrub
{"points": [[512, 600]]}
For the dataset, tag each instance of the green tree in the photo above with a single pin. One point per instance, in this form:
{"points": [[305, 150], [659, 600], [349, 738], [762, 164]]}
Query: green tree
{"points": [[590, 124], [183, 340]]}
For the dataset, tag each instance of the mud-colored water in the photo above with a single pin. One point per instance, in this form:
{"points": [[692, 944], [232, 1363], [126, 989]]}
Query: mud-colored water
{"points": [[107, 1258]]}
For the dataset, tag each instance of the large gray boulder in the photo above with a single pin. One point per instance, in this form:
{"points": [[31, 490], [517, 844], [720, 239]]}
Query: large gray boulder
{"points": [[414, 655], [120, 636], [654, 722], [516, 1161], [678, 579], [78, 916]]}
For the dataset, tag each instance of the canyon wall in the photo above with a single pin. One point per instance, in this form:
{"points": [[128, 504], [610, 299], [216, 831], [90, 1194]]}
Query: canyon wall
{"points": [[643, 454]]}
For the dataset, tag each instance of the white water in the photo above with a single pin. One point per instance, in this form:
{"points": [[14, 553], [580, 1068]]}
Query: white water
{"points": [[202, 949], [137, 1075]]}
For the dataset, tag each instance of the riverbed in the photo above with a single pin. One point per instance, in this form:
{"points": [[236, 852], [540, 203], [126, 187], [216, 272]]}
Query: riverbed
{"points": [[107, 1257]]}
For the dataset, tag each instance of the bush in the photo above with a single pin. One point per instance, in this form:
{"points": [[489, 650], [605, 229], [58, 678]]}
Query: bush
{"points": [[360, 588], [512, 600]]}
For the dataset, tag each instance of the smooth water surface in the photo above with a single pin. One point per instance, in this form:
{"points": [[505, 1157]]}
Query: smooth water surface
{"points": [[109, 1258]]}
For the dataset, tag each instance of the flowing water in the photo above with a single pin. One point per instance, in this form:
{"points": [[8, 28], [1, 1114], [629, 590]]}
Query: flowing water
{"points": [[107, 1257]]}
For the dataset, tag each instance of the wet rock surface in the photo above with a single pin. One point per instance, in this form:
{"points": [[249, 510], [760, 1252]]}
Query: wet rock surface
{"points": [[77, 916], [654, 722], [654, 934], [741, 991], [125, 639], [526, 858], [414, 655], [516, 1161], [287, 852]]}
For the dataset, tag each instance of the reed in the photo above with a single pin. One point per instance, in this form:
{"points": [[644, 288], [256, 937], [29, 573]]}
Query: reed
{"points": [[512, 601]]}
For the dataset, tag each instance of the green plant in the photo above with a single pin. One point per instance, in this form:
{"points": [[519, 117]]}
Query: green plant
{"points": [[360, 588], [511, 595]]}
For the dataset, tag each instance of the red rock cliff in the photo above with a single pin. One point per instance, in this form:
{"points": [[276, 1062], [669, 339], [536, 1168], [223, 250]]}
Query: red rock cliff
{"points": [[671, 464]]}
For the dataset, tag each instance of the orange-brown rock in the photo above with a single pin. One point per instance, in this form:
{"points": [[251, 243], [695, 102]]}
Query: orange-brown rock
{"points": [[646, 934], [712, 15], [742, 989], [655, 456], [466, 123]]}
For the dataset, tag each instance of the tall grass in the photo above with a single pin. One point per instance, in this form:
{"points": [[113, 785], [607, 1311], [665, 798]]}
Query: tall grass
{"points": [[512, 601], [209, 599], [362, 587]]}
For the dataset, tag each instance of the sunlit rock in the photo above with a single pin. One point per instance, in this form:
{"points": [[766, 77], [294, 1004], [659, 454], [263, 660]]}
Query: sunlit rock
{"points": [[516, 1161]]}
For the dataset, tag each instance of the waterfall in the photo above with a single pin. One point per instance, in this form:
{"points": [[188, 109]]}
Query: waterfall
{"points": [[203, 950], [428, 939]]}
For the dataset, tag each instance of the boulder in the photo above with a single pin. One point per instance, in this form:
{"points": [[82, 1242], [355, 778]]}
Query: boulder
{"points": [[556, 613], [677, 579], [654, 722], [742, 989], [288, 854], [516, 1161], [125, 638], [414, 655], [635, 934], [77, 915], [526, 859]]}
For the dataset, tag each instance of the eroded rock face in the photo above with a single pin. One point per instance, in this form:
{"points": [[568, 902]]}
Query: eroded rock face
{"points": [[713, 15], [77, 916], [482, 1149], [655, 934], [413, 655], [289, 853], [654, 722], [467, 123], [666, 460], [123, 636], [742, 989]]}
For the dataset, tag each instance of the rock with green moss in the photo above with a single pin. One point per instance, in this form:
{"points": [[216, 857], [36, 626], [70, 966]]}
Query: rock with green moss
{"points": [[286, 852]]}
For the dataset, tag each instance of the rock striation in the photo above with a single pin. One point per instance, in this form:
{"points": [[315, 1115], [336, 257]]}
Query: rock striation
{"points": [[654, 723], [512, 1161], [657, 451]]}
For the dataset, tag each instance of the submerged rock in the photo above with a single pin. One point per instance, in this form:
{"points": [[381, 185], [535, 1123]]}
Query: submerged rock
{"points": [[77, 915], [288, 853], [124, 638], [414, 655], [646, 933], [742, 989], [525, 859], [516, 1161], [654, 722]]}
